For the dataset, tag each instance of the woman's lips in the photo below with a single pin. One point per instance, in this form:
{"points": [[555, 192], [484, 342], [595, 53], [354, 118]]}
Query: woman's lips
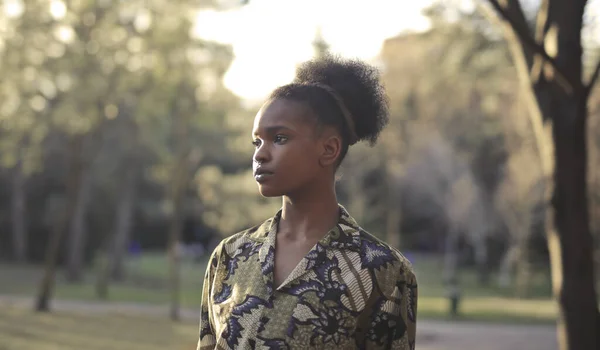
{"points": [[262, 175]]}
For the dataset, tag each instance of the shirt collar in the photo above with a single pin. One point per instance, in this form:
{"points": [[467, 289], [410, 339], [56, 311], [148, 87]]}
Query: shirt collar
{"points": [[345, 235]]}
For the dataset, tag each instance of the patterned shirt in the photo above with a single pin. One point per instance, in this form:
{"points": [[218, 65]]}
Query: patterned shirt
{"points": [[351, 291]]}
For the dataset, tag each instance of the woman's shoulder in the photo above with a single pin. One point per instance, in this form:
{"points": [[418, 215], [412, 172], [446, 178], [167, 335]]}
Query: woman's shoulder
{"points": [[246, 237], [386, 257]]}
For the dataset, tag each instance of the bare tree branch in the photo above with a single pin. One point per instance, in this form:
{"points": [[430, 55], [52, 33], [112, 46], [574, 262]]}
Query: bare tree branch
{"points": [[512, 13], [593, 79]]}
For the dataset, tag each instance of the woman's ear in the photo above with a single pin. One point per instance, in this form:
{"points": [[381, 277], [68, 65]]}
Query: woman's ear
{"points": [[332, 147]]}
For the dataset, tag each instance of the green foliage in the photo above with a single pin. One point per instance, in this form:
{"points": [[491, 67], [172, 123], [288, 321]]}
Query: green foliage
{"points": [[454, 84], [127, 78], [231, 202]]}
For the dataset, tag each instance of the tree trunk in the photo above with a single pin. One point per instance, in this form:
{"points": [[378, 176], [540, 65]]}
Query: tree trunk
{"points": [[103, 276], [393, 210], [579, 321], [558, 95], [174, 260], [571, 249], [179, 184], [356, 197], [481, 259], [451, 281], [393, 217], [523, 264], [595, 192], [46, 288], [451, 256], [123, 224], [507, 266], [77, 229], [116, 249], [19, 226]]}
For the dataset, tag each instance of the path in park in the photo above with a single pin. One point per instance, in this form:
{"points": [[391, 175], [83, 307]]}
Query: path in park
{"points": [[438, 335], [431, 335]]}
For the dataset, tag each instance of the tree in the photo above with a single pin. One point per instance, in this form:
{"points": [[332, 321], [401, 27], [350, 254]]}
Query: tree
{"points": [[454, 79], [26, 91], [123, 144], [124, 65], [515, 201], [320, 45], [441, 185], [548, 58]]}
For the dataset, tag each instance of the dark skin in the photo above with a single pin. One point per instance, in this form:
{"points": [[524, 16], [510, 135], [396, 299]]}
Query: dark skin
{"points": [[299, 162]]}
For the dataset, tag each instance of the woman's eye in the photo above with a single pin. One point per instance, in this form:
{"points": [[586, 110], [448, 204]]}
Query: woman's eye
{"points": [[280, 139], [256, 143]]}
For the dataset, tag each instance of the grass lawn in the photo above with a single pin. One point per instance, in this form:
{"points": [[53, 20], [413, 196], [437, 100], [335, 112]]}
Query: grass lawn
{"points": [[147, 283], [25, 330], [482, 303]]}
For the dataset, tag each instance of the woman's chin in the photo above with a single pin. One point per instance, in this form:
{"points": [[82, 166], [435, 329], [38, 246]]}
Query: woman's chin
{"points": [[267, 192]]}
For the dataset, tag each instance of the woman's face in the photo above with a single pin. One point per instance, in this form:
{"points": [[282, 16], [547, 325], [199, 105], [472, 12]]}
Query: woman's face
{"points": [[287, 150]]}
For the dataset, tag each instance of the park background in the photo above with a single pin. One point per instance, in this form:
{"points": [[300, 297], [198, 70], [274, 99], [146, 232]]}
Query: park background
{"points": [[125, 156]]}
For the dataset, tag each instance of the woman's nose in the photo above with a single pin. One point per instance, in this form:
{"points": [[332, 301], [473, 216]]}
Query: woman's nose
{"points": [[261, 154]]}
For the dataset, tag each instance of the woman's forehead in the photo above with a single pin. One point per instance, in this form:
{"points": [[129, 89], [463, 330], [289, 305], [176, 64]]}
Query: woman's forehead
{"points": [[286, 113]]}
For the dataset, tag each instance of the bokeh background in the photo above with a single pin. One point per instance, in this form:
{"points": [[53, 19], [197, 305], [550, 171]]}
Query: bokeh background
{"points": [[125, 156]]}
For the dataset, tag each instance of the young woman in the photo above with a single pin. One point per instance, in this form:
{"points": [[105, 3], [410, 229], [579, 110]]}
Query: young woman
{"points": [[310, 277]]}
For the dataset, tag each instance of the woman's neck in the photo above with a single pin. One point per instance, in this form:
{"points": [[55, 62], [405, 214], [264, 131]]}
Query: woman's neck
{"points": [[309, 217]]}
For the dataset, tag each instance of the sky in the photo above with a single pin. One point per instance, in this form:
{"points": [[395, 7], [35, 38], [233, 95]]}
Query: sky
{"points": [[270, 37]]}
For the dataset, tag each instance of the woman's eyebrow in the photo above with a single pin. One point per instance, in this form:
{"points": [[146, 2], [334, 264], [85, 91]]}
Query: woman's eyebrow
{"points": [[274, 129]]}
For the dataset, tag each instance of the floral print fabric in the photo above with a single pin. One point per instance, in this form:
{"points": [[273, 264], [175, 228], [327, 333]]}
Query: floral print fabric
{"points": [[351, 291]]}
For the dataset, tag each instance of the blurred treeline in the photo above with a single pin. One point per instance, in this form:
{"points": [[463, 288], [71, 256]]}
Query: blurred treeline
{"points": [[115, 128]]}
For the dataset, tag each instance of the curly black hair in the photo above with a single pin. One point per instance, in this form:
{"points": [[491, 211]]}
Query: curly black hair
{"points": [[358, 86]]}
